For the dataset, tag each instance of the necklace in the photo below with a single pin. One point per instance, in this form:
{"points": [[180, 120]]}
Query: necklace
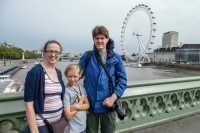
{"points": [[79, 90], [77, 93]]}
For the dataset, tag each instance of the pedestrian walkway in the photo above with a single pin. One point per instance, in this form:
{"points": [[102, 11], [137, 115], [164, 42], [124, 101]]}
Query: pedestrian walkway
{"points": [[186, 125]]}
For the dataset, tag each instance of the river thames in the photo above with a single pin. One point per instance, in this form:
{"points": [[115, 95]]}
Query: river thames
{"points": [[133, 74]]}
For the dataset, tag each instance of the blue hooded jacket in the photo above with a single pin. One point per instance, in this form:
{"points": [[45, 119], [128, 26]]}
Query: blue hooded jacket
{"points": [[97, 81]]}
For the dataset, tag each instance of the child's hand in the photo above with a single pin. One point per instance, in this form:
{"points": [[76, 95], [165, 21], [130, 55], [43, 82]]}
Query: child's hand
{"points": [[81, 98], [87, 111]]}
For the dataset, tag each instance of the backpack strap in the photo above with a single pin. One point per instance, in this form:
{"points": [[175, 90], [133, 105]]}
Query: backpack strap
{"points": [[88, 58], [89, 55]]}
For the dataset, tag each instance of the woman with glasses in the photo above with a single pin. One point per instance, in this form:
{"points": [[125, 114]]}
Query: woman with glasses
{"points": [[44, 90]]}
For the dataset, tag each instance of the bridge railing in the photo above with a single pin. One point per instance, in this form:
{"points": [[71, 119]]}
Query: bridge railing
{"points": [[151, 103], [12, 112], [147, 103]]}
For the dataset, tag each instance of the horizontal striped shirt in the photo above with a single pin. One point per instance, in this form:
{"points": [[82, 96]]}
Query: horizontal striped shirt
{"points": [[53, 105]]}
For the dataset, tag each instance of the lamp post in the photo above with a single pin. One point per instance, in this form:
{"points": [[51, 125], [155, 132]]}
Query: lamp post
{"points": [[4, 62], [199, 56], [23, 56]]}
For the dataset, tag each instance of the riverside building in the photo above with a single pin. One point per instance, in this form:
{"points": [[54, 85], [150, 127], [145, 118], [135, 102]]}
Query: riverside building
{"points": [[170, 39], [172, 52], [188, 53], [166, 53], [182, 54]]}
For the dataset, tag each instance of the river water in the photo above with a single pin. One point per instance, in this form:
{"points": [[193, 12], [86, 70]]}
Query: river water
{"points": [[133, 74]]}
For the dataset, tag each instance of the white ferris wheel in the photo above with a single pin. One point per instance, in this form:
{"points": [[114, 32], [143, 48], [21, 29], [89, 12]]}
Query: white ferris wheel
{"points": [[138, 33]]}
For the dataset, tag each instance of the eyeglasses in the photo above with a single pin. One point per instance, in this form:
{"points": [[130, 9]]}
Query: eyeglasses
{"points": [[50, 52]]}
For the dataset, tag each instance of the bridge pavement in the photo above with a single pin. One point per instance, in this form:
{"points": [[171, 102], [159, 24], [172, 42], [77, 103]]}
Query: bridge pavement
{"points": [[190, 124]]}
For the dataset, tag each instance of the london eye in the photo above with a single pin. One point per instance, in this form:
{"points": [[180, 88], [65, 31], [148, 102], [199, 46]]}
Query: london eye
{"points": [[138, 33]]}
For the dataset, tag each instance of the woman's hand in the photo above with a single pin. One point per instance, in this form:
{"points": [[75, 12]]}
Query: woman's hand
{"points": [[30, 114]]}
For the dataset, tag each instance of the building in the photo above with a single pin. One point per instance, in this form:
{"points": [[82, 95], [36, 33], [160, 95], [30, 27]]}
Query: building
{"points": [[37, 51], [7, 45], [1, 44], [165, 55], [190, 46], [67, 54], [188, 53], [170, 39], [171, 51]]}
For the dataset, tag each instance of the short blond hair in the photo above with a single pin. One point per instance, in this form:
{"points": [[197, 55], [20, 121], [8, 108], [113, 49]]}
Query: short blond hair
{"points": [[72, 67]]}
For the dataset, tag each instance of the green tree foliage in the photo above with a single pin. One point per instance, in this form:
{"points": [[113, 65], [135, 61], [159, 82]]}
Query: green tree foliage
{"points": [[123, 57], [30, 55], [16, 53]]}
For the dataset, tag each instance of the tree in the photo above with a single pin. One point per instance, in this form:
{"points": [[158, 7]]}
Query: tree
{"points": [[16, 53], [123, 57]]}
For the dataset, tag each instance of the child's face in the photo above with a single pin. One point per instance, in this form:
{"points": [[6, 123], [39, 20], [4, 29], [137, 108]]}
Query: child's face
{"points": [[73, 77]]}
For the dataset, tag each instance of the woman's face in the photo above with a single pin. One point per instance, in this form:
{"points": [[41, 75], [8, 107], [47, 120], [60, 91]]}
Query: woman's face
{"points": [[52, 53]]}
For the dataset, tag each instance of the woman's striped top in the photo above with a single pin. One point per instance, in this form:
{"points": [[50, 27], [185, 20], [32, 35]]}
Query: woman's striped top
{"points": [[53, 105]]}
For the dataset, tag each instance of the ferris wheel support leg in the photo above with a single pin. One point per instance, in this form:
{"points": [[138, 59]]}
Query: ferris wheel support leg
{"points": [[139, 45], [143, 49]]}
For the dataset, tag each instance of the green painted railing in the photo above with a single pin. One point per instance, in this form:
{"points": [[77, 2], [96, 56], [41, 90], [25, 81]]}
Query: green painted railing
{"points": [[151, 103], [147, 103], [12, 112]]}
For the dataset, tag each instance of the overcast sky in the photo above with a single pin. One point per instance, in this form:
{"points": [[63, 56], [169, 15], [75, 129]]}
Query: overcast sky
{"points": [[30, 23]]}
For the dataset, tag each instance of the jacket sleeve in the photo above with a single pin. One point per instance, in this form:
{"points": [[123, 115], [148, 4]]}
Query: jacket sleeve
{"points": [[121, 78], [29, 87]]}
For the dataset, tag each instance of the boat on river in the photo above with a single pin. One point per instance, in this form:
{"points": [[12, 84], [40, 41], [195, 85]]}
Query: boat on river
{"points": [[23, 66], [172, 71], [135, 65], [9, 85]]}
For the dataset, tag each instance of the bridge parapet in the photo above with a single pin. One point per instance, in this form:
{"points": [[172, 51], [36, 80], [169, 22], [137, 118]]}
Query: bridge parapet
{"points": [[12, 112], [150, 103], [147, 103]]}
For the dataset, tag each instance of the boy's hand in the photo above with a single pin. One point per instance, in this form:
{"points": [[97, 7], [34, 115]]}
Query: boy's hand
{"points": [[81, 98], [87, 111]]}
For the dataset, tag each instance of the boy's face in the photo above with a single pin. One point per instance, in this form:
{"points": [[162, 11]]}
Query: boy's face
{"points": [[100, 42], [73, 78]]}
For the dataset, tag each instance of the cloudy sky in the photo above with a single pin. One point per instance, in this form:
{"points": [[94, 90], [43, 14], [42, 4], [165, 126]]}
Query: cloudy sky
{"points": [[29, 24]]}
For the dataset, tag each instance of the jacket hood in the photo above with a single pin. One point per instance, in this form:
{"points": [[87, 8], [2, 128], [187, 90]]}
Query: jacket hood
{"points": [[110, 45]]}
